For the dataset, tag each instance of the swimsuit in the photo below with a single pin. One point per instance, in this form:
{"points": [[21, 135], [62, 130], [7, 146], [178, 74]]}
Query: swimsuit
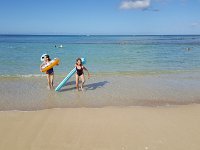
{"points": [[79, 71], [50, 71]]}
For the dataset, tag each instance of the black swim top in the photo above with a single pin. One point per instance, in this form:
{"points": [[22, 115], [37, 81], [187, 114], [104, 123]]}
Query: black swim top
{"points": [[79, 71]]}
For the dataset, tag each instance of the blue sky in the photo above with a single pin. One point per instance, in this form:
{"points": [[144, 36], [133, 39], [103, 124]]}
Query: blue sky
{"points": [[100, 17]]}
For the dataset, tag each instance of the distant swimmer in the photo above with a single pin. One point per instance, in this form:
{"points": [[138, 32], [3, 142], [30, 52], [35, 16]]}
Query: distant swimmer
{"points": [[55, 46], [188, 49], [61, 46], [123, 43]]}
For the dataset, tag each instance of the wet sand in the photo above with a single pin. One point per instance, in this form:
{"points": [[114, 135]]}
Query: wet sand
{"points": [[110, 128], [31, 93]]}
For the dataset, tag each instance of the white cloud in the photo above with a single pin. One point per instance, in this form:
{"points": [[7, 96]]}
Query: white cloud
{"points": [[135, 4], [195, 24]]}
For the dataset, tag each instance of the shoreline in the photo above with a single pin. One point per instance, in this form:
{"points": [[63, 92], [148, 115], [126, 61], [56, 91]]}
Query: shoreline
{"points": [[171, 106], [110, 128], [100, 91], [118, 73]]}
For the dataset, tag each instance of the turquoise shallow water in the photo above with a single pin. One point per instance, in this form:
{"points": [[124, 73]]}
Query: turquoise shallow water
{"points": [[20, 54]]}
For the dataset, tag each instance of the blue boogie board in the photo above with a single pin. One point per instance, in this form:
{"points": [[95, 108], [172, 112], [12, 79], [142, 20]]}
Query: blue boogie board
{"points": [[68, 77]]}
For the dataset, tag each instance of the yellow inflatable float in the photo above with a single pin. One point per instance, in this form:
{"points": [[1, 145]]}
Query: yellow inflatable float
{"points": [[50, 65]]}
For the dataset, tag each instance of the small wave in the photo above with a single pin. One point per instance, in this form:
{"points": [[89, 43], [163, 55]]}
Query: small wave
{"points": [[33, 75], [22, 76]]}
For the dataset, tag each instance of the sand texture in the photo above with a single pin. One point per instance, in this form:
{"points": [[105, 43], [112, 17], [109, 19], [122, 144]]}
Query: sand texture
{"points": [[110, 128]]}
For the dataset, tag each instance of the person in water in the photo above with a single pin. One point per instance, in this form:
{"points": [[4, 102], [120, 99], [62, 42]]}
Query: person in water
{"points": [[50, 72], [80, 73]]}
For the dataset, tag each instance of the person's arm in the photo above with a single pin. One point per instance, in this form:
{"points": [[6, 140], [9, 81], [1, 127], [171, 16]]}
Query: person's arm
{"points": [[41, 66], [87, 72]]}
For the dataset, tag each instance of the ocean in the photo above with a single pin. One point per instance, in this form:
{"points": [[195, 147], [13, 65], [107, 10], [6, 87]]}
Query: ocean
{"points": [[20, 54], [126, 70]]}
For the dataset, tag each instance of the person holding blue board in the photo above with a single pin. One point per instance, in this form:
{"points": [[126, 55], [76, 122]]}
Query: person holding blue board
{"points": [[78, 71], [80, 74]]}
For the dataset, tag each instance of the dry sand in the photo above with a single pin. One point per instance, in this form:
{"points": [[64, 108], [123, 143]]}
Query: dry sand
{"points": [[110, 128]]}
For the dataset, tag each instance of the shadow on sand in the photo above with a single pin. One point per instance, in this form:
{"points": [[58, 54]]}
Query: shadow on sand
{"points": [[92, 86]]}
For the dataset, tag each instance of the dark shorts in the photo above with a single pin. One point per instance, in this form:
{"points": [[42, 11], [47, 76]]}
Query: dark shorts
{"points": [[50, 71]]}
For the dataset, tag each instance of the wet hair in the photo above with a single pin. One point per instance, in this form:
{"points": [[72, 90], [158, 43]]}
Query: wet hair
{"points": [[78, 60], [48, 57]]}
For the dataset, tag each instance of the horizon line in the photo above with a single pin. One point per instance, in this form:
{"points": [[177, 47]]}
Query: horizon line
{"points": [[99, 34]]}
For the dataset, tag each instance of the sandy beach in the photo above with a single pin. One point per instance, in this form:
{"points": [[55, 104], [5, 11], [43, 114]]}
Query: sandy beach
{"points": [[110, 128], [145, 112]]}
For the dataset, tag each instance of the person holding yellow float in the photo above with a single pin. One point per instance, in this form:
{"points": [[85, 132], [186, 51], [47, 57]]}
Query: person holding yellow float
{"points": [[47, 66]]}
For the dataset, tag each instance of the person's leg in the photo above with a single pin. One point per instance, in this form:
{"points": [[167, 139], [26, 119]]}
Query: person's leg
{"points": [[77, 80], [83, 81], [48, 80], [51, 80]]}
